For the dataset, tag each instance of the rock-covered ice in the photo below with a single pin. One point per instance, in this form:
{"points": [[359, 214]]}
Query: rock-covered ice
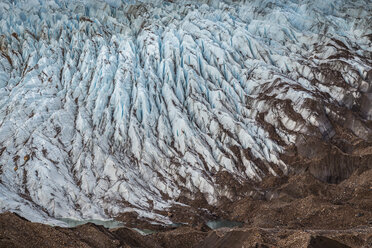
{"points": [[115, 106]]}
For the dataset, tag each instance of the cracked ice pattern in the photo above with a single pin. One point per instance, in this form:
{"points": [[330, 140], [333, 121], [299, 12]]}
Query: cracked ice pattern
{"points": [[106, 106]]}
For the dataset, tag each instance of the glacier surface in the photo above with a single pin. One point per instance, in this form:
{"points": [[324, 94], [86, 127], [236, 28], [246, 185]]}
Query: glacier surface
{"points": [[113, 106]]}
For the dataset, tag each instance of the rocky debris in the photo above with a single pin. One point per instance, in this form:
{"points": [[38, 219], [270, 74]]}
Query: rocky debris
{"points": [[320, 242], [296, 201], [303, 201], [180, 237], [252, 238], [298, 211], [18, 232]]}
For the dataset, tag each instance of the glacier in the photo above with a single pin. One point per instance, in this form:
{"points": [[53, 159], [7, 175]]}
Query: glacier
{"points": [[108, 107]]}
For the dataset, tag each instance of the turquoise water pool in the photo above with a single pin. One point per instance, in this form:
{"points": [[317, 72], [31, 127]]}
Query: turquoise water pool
{"points": [[215, 224]]}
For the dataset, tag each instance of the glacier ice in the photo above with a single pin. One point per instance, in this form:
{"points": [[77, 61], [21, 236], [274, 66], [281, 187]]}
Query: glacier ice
{"points": [[119, 103]]}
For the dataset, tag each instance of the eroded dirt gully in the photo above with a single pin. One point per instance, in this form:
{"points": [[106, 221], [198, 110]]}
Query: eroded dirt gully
{"points": [[289, 211]]}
